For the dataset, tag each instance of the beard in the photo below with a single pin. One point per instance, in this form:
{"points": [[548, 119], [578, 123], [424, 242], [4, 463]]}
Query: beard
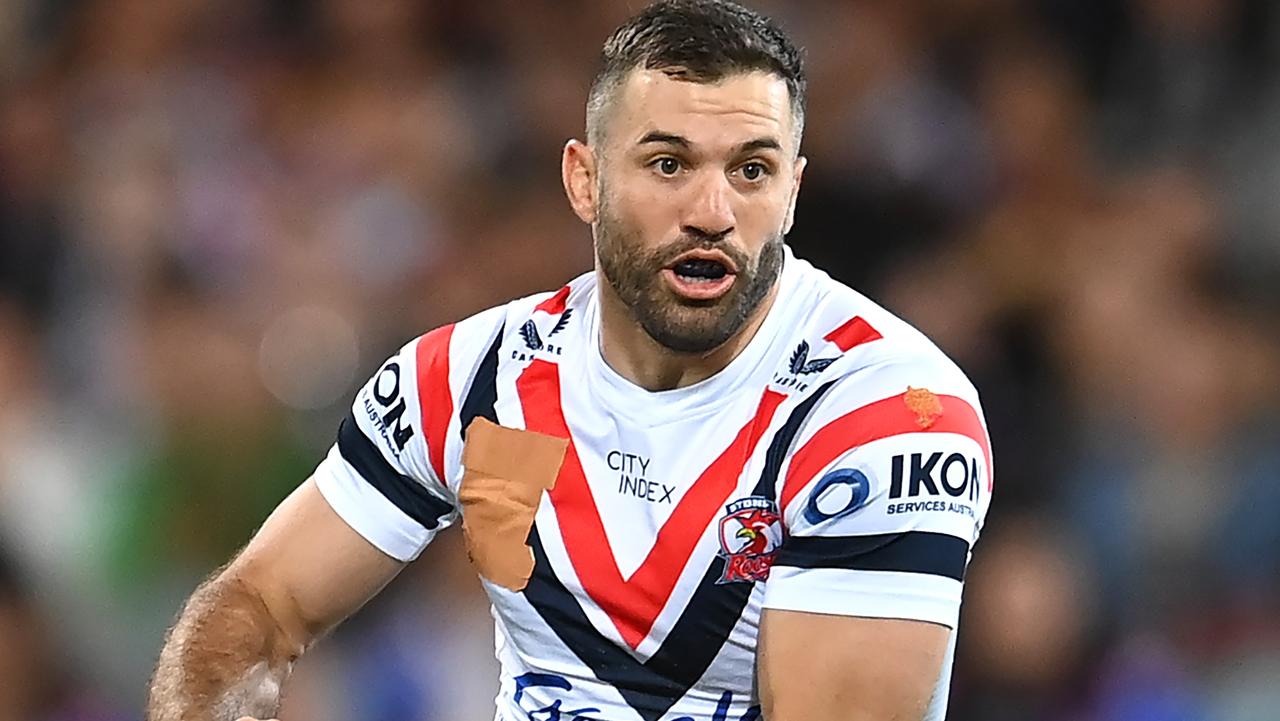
{"points": [[681, 324]]}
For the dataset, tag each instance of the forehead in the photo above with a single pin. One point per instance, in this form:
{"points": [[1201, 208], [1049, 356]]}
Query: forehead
{"points": [[730, 111]]}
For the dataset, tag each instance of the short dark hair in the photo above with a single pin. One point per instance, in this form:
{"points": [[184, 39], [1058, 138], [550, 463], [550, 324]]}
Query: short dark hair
{"points": [[707, 40]]}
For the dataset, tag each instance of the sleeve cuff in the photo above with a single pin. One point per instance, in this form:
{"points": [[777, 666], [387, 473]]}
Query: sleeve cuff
{"points": [[873, 594], [368, 512]]}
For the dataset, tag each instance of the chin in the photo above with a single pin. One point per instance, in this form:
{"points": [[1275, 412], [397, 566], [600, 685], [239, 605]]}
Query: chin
{"points": [[696, 335]]}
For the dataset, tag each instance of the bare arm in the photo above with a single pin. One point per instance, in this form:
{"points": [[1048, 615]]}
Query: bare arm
{"points": [[237, 638], [816, 667]]}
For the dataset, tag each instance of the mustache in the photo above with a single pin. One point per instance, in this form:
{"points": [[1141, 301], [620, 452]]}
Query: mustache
{"points": [[699, 235], [695, 241]]}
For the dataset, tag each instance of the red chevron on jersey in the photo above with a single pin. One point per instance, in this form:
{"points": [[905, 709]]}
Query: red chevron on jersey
{"points": [[884, 418], [853, 332], [632, 604], [433, 393]]}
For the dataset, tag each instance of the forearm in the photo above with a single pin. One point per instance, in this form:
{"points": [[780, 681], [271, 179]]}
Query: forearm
{"points": [[226, 657]]}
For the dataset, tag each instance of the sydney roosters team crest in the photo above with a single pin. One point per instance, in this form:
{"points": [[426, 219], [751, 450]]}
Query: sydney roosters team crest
{"points": [[750, 534]]}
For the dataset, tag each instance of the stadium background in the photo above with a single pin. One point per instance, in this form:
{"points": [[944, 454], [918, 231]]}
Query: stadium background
{"points": [[216, 218]]}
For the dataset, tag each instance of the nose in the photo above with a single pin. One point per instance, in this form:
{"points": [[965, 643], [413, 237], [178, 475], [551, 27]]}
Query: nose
{"points": [[709, 214]]}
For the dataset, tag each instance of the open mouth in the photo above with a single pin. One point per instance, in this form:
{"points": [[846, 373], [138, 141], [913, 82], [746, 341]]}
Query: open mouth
{"points": [[700, 270], [701, 275]]}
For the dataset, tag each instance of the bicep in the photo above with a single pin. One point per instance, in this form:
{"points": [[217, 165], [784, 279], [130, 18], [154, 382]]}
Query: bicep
{"points": [[310, 568], [819, 667]]}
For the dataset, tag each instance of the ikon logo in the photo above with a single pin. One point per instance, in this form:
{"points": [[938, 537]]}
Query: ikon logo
{"points": [[955, 475], [838, 494]]}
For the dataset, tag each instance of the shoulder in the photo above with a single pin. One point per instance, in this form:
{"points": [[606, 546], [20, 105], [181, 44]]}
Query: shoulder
{"points": [[887, 484], [862, 349], [887, 390], [545, 323], [421, 387], [532, 320]]}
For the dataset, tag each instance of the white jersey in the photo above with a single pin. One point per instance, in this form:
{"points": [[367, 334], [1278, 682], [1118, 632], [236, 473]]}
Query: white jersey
{"points": [[839, 465]]}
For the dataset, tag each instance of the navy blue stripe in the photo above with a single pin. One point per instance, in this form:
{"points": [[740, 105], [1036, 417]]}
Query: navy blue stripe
{"points": [[938, 554], [650, 693], [714, 608], [407, 494], [781, 445], [702, 628], [482, 397]]}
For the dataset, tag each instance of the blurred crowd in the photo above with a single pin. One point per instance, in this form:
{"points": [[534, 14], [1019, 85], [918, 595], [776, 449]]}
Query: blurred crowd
{"points": [[216, 218]]}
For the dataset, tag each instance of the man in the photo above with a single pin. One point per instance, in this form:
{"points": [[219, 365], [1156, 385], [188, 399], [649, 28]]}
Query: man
{"points": [[703, 482]]}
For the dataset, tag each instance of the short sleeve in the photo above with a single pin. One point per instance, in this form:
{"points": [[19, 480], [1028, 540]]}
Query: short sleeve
{"points": [[884, 497], [377, 476]]}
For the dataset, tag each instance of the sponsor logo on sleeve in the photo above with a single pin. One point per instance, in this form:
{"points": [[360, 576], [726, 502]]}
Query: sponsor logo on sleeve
{"points": [[390, 419], [950, 483], [750, 534], [838, 494]]}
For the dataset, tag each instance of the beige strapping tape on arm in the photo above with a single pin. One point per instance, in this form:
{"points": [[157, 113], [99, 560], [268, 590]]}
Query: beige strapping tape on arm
{"points": [[505, 473]]}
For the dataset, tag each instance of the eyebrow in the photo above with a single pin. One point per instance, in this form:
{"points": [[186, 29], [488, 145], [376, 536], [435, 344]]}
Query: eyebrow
{"points": [[760, 144], [655, 136]]}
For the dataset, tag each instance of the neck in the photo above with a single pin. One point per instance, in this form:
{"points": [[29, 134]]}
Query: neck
{"points": [[636, 356]]}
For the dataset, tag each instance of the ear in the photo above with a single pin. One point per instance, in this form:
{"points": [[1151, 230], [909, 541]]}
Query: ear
{"points": [[578, 173], [798, 175]]}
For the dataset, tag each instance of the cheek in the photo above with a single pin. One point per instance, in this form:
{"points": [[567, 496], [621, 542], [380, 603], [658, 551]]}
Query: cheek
{"points": [[646, 215], [761, 217]]}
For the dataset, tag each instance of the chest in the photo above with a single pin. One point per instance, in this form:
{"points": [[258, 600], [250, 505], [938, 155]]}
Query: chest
{"points": [[661, 494]]}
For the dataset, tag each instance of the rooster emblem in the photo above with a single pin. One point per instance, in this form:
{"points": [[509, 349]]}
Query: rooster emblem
{"points": [[757, 528], [750, 534]]}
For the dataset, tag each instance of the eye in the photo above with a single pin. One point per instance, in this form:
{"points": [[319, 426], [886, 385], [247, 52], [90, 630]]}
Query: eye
{"points": [[754, 171], [667, 166]]}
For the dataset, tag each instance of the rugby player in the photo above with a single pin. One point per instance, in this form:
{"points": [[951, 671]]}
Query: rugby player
{"points": [[702, 482]]}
